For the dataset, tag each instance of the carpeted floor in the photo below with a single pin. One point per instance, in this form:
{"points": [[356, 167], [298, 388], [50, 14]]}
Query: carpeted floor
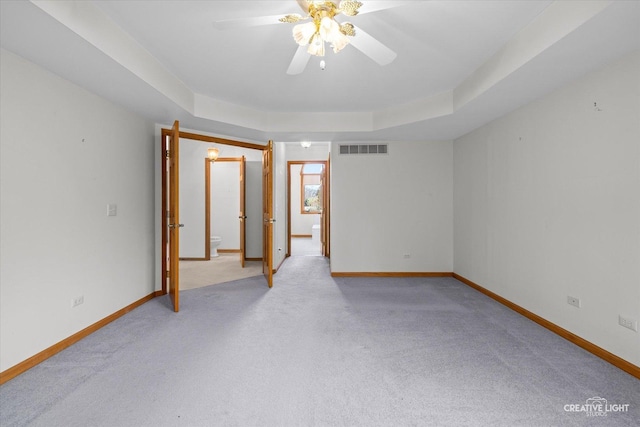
{"points": [[305, 246], [318, 351], [226, 267]]}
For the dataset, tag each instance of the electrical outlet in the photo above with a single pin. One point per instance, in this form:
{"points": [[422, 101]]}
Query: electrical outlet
{"points": [[573, 301], [628, 323], [77, 301]]}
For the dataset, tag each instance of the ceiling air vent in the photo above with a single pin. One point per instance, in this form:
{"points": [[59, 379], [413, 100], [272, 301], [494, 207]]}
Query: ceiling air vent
{"points": [[364, 149]]}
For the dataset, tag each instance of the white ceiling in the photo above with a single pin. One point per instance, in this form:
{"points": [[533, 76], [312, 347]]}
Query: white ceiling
{"points": [[459, 64]]}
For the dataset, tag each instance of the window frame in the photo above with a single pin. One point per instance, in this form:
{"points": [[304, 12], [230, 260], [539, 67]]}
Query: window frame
{"points": [[316, 177]]}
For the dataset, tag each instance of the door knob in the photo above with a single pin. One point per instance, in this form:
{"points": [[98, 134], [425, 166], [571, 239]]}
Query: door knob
{"points": [[176, 225]]}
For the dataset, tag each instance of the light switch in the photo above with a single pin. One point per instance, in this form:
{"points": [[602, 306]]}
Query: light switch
{"points": [[112, 209]]}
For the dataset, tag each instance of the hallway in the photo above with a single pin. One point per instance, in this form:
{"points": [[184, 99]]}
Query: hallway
{"points": [[305, 246]]}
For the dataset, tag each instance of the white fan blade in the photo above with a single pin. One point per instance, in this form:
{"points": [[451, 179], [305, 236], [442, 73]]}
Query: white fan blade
{"points": [[374, 6], [247, 22], [299, 61], [372, 47], [304, 5]]}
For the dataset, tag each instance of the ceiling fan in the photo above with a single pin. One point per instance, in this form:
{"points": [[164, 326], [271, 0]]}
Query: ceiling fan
{"points": [[324, 28]]}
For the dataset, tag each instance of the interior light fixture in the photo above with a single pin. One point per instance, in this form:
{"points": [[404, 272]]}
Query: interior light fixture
{"points": [[323, 27], [212, 153], [305, 144]]}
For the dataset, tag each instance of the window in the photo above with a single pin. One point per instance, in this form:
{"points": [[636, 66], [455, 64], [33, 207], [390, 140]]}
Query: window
{"points": [[311, 189]]}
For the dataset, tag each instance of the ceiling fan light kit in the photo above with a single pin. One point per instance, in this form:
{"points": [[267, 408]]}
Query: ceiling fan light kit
{"points": [[323, 27]]}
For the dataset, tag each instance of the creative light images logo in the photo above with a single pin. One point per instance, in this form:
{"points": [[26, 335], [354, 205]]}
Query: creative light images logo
{"points": [[596, 407]]}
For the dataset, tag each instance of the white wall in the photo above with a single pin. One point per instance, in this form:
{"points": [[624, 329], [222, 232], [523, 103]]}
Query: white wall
{"points": [[225, 203], [317, 151], [192, 198], [279, 203], [547, 204], [65, 155], [253, 207], [386, 206]]}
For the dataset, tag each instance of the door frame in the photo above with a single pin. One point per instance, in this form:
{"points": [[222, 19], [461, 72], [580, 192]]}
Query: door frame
{"points": [[164, 134], [324, 217], [326, 211]]}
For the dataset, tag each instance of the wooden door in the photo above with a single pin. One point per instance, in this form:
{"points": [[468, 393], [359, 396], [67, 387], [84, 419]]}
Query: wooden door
{"points": [[173, 215], [323, 212], [325, 218], [267, 213], [243, 214]]}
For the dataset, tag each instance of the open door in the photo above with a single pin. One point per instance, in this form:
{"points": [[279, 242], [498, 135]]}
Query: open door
{"points": [[170, 208], [267, 213], [243, 215], [324, 216], [173, 215], [322, 194]]}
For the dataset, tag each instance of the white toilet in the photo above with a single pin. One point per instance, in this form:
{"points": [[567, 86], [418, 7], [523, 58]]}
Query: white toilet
{"points": [[215, 242]]}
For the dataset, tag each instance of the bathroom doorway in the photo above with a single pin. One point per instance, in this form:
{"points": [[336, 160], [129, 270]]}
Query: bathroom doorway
{"points": [[225, 215], [308, 208], [171, 278], [224, 202]]}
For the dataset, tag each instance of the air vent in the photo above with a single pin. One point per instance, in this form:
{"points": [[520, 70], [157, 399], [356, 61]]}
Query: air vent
{"points": [[364, 149]]}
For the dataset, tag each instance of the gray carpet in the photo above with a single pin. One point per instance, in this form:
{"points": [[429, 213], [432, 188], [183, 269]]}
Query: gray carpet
{"points": [[305, 246], [317, 351]]}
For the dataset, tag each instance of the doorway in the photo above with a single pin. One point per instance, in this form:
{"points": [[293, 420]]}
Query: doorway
{"points": [[170, 212], [225, 206], [308, 208], [225, 217]]}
